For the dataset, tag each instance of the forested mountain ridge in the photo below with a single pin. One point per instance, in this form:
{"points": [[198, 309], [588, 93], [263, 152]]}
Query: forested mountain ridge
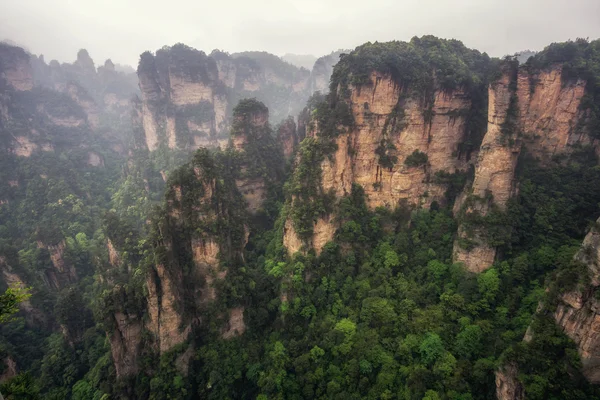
{"points": [[397, 242]]}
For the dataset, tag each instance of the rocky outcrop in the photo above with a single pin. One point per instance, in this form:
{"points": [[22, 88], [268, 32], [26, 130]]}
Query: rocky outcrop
{"points": [[86, 102], [62, 105], [15, 70], [11, 278], [538, 111], [205, 219], [124, 343], [385, 119], [507, 385], [187, 97], [389, 128], [166, 320], [10, 369], [235, 326], [250, 127], [183, 102], [578, 311], [323, 231], [494, 175], [63, 273], [95, 159], [287, 137], [113, 255]]}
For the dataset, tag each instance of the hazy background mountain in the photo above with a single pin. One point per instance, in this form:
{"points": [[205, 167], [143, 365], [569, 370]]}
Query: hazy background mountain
{"points": [[121, 31], [300, 60]]}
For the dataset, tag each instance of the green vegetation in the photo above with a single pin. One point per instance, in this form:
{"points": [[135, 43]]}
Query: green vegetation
{"points": [[10, 300], [416, 159], [304, 190], [386, 159], [414, 64]]}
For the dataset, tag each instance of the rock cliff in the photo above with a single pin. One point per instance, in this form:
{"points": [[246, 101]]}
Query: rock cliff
{"points": [[406, 133], [287, 137], [15, 70], [507, 385], [63, 272], [538, 111], [183, 102], [187, 97], [398, 142], [578, 311], [203, 220], [66, 105]]}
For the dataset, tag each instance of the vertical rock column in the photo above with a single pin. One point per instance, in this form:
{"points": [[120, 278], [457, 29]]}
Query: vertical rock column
{"points": [[493, 184]]}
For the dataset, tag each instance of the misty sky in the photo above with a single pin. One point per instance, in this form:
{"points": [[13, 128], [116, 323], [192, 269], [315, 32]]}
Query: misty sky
{"points": [[122, 29]]}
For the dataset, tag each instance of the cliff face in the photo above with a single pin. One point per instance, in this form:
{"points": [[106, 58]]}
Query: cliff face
{"points": [[187, 97], [51, 105], [124, 343], [198, 239], [403, 133], [63, 273], [357, 160], [14, 68], [183, 100], [578, 312], [537, 111], [287, 137], [252, 139], [203, 203], [390, 127], [103, 93]]}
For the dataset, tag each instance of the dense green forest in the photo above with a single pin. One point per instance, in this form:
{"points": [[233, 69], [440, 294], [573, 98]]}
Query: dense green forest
{"points": [[381, 312]]}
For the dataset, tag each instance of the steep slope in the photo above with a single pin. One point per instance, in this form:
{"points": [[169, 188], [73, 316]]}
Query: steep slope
{"points": [[578, 310]]}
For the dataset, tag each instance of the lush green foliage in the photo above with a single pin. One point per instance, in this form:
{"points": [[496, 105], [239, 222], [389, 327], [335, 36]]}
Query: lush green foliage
{"points": [[414, 64]]}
